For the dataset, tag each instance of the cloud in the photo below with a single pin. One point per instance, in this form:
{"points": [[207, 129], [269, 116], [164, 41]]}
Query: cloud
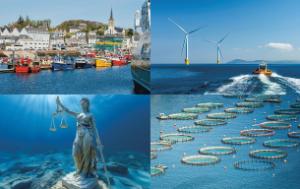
{"points": [[280, 46]]}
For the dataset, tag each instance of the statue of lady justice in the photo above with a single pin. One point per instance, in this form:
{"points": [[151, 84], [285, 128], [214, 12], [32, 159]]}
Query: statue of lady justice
{"points": [[87, 149]]}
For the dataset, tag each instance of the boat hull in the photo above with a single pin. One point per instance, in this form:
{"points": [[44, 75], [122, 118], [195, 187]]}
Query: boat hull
{"points": [[141, 77], [102, 63], [35, 69], [61, 66], [22, 69], [257, 72], [83, 65], [119, 62]]}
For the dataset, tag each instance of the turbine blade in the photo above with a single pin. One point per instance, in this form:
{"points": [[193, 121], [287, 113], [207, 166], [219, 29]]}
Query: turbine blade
{"points": [[197, 29], [180, 27], [221, 40], [183, 45], [209, 41], [221, 53]]}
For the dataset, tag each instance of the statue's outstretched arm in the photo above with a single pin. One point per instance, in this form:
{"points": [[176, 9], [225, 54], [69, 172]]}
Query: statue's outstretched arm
{"points": [[64, 108]]}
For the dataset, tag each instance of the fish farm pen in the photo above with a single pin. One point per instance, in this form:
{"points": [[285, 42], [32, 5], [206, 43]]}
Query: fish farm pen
{"points": [[210, 122], [268, 154], [238, 140], [257, 132], [176, 137], [239, 110], [281, 143], [217, 150], [194, 129], [222, 115], [275, 125], [200, 160]]}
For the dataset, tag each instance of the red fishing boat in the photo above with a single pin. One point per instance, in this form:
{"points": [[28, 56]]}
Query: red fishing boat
{"points": [[23, 66], [35, 67], [119, 61]]}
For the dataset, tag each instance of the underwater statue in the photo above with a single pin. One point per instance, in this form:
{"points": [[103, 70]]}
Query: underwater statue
{"points": [[87, 149]]}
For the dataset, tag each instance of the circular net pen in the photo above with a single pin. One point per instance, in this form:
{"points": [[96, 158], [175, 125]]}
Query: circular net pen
{"points": [[234, 95], [288, 111], [257, 132], [217, 150], [153, 155], [282, 117], [157, 170], [254, 99], [254, 165], [239, 110], [281, 143], [183, 116], [210, 105], [200, 160], [161, 146], [176, 137], [238, 140], [221, 115], [268, 154], [250, 104], [275, 125], [294, 134], [194, 129], [296, 105], [273, 100], [210, 122], [197, 110]]}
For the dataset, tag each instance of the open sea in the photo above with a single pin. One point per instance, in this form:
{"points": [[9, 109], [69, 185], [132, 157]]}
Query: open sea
{"points": [[32, 157], [114, 80], [285, 175], [223, 79]]}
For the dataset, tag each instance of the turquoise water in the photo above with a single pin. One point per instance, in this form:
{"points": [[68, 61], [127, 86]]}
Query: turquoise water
{"points": [[115, 80], [30, 153], [223, 174]]}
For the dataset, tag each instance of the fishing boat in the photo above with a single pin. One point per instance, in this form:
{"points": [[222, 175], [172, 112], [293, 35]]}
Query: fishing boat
{"points": [[23, 65], [60, 64], [35, 66], [119, 61], [102, 62], [263, 69], [81, 63], [46, 63]]}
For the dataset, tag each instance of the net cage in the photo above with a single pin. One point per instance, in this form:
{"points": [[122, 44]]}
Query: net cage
{"points": [[234, 95], [178, 116], [268, 154], [288, 111], [254, 165], [210, 105], [194, 129], [250, 104], [197, 110], [275, 125], [282, 117], [161, 146], [269, 98], [176, 137], [239, 110], [153, 155], [257, 132], [217, 150], [254, 99], [238, 140], [221, 115], [294, 134], [157, 170], [200, 160], [210, 122], [281, 143]]}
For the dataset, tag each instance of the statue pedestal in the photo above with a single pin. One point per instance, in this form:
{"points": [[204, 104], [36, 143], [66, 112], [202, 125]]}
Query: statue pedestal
{"points": [[76, 182]]}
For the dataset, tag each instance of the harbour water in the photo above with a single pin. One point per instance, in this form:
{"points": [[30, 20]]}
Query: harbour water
{"points": [[285, 175], [223, 79], [33, 157], [114, 80]]}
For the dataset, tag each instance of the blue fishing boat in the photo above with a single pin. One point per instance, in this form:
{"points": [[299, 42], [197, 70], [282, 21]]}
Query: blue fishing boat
{"points": [[62, 64]]}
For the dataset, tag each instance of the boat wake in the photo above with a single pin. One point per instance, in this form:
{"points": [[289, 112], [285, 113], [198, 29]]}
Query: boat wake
{"points": [[258, 84]]}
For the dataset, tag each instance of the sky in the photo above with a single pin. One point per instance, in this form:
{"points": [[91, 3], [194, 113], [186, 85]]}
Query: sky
{"points": [[61, 10], [259, 29]]}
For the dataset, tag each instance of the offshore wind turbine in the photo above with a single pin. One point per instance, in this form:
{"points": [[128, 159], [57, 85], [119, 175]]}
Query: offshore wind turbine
{"points": [[186, 40], [218, 45]]}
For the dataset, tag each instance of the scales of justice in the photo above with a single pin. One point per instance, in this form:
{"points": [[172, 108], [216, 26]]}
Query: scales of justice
{"points": [[87, 149]]}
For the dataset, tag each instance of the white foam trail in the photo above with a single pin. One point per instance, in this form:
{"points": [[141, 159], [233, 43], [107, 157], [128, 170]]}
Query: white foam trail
{"points": [[293, 83], [272, 87], [237, 82]]}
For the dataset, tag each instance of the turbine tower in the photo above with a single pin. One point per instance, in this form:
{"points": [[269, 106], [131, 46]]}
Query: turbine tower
{"points": [[186, 40], [218, 44]]}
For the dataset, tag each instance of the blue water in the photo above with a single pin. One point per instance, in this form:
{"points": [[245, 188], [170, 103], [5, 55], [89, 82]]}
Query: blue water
{"points": [[25, 139], [223, 174], [222, 79], [115, 80]]}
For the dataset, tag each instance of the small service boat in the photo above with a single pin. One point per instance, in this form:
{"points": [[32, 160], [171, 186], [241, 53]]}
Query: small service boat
{"points": [[119, 61], [263, 69], [23, 66], [81, 63]]}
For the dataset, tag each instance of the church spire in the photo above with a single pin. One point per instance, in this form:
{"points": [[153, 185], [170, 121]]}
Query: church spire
{"points": [[111, 15]]}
